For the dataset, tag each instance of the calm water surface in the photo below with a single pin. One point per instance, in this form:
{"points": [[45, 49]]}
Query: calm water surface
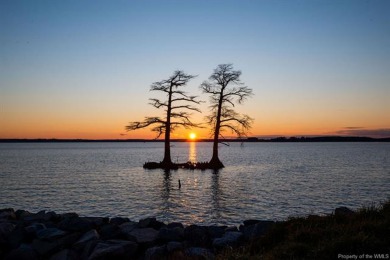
{"points": [[261, 180]]}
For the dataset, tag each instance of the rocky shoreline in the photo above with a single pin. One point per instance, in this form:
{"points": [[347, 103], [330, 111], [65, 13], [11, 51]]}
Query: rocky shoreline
{"points": [[48, 235]]}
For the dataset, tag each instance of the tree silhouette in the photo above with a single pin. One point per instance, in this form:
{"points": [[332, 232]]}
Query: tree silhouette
{"points": [[222, 99], [176, 108]]}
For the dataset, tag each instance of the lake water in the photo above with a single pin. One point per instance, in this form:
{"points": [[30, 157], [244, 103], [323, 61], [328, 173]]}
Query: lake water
{"points": [[269, 181]]}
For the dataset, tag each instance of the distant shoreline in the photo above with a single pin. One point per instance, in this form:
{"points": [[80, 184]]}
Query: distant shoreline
{"points": [[249, 139]]}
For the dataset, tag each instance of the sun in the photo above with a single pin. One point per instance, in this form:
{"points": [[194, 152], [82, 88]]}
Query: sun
{"points": [[192, 136]]}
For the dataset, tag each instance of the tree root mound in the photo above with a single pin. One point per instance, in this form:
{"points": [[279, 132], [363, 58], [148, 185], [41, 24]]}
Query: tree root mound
{"points": [[187, 165]]}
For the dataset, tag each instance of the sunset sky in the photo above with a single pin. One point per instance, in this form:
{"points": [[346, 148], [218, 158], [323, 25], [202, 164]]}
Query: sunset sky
{"points": [[83, 69]]}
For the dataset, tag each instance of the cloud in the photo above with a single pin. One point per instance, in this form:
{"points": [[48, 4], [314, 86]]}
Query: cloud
{"points": [[360, 131]]}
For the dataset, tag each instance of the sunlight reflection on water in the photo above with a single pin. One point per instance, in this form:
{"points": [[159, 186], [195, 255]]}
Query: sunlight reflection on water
{"points": [[260, 180]]}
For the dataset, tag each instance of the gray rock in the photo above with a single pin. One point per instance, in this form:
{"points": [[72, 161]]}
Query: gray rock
{"points": [[144, 235], [85, 238], [250, 222], [257, 230], [216, 231], [7, 214], [75, 224], [65, 254], [119, 221], [40, 216], [126, 229], [199, 253], [343, 211], [228, 239], [175, 224], [173, 246], [110, 231], [197, 236], [21, 214], [22, 253], [232, 228], [150, 223], [157, 252], [35, 228], [171, 234], [96, 221], [46, 248], [5, 230], [50, 233], [115, 249]]}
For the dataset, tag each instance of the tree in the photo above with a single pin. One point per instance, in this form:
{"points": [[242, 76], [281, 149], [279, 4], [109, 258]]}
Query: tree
{"points": [[225, 89], [177, 109]]}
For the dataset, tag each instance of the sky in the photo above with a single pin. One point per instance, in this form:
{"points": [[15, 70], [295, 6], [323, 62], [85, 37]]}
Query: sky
{"points": [[83, 69]]}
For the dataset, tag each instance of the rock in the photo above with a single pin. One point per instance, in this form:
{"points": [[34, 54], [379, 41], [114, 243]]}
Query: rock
{"points": [[21, 214], [199, 253], [7, 214], [157, 252], [228, 239], [75, 224], [197, 236], [65, 254], [40, 216], [171, 234], [50, 233], [69, 215], [256, 230], [85, 238], [250, 222], [16, 237], [6, 229], [173, 246], [22, 253], [119, 221], [175, 224], [233, 228], [34, 228], [126, 228], [216, 231], [96, 221], [150, 223], [115, 249], [110, 231], [46, 248], [343, 211], [144, 235]]}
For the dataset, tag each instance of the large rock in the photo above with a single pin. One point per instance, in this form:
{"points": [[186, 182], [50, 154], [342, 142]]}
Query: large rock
{"points": [[119, 221], [110, 231], [155, 253], [65, 254], [197, 236], [7, 214], [343, 211], [75, 224], [127, 228], [150, 223], [228, 239], [46, 248], [114, 249], [175, 224], [91, 235], [171, 234], [50, 233], [5, 230], [24, 252], [96, 221], [173, 246], [216, 231], [199, 253], [144, 235], [257, 230]]}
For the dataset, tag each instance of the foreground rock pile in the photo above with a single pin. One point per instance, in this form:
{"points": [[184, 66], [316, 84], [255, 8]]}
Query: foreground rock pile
{"points": [[47, 235]]}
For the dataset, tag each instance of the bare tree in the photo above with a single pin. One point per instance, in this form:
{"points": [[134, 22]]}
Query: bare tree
{"points": [[177, 109], [225, 89]]}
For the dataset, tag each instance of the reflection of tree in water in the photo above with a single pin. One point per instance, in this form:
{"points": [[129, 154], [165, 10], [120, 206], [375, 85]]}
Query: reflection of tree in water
{"points": [[166, 190], [216, 193]]}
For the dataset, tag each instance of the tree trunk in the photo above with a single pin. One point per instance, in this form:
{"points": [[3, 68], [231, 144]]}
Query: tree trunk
{"points": [[215, 163], [167, 162]]}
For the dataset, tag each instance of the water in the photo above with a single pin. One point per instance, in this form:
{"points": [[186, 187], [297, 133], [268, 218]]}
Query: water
{"points": [[261, 180]]}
